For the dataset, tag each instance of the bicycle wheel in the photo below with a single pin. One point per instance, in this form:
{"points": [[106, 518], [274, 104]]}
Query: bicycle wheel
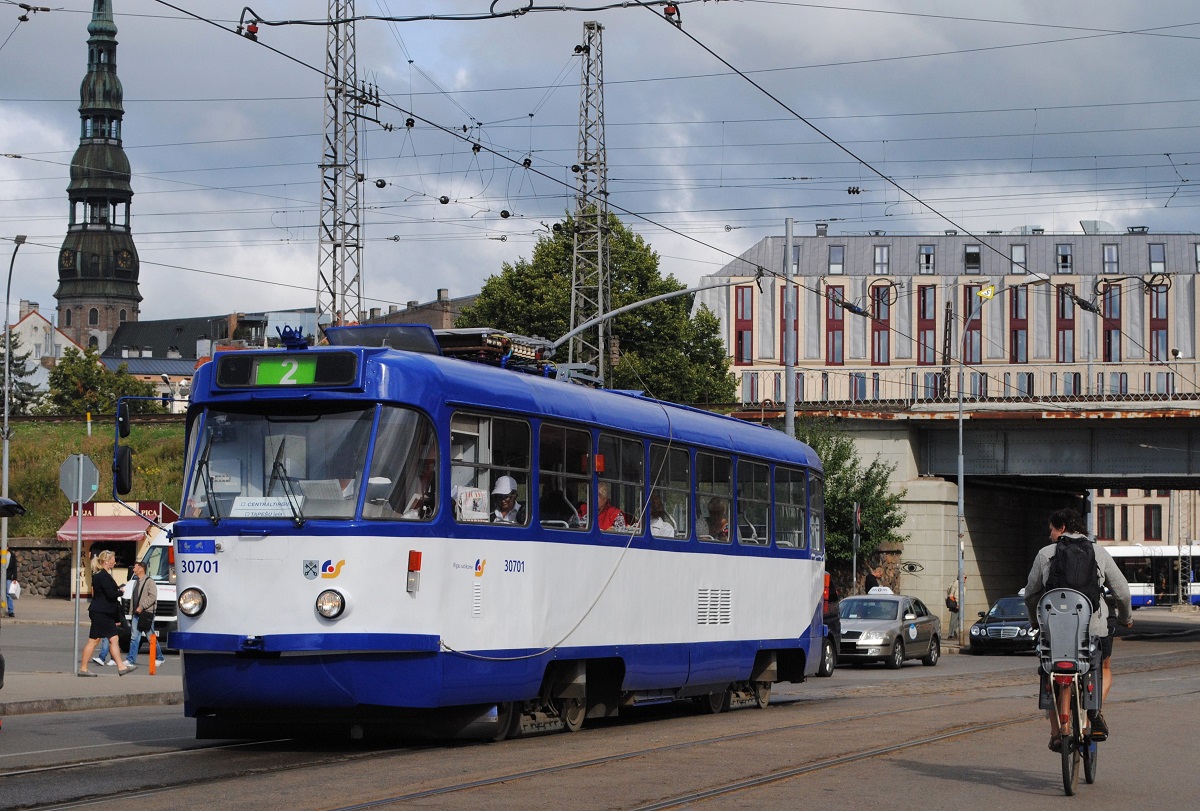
{"points": [[1071, 741], [1091, 756]]}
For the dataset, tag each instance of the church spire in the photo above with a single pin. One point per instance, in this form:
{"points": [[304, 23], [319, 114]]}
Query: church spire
{"points": [[98, 263]]}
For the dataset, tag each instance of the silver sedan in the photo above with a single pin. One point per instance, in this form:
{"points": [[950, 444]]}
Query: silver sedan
{"points": [[888, 628]]}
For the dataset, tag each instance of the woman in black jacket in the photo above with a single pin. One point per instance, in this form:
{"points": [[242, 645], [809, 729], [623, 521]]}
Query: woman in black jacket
{"points": [[104, 611]]}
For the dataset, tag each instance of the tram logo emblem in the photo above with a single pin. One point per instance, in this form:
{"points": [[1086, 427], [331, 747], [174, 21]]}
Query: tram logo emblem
{"points": [[330, 570], [479, 564], [311, 569]]}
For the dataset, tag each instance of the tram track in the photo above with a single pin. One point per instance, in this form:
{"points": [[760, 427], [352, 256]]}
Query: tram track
{"points": [[838, 709]]}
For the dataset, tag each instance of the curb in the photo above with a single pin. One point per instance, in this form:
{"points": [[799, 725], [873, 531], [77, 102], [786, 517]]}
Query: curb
{"points": [[90, 703]]}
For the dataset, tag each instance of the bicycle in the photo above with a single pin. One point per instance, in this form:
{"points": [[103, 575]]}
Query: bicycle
{"points": [[1070, 671]]}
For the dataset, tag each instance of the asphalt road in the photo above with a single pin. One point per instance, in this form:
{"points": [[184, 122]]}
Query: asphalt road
{"points": [[966, 733]]}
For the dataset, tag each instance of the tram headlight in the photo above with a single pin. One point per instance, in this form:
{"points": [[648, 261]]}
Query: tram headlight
{"points": [[192, 602], [330, 604]]}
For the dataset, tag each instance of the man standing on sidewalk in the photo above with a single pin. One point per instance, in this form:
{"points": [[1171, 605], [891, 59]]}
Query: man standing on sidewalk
{"points": [[143, 605]]}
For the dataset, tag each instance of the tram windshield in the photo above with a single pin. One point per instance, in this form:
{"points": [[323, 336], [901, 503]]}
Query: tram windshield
{"points": [[311, 463]]}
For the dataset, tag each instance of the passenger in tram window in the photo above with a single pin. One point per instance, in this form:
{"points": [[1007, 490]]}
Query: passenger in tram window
{"points": [[608, 515], [661, 525], [507, 509], [716, 525]]}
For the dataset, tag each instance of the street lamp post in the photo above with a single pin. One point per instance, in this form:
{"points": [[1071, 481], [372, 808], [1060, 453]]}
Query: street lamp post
{"points": [[1035, 278], [18, 241]]}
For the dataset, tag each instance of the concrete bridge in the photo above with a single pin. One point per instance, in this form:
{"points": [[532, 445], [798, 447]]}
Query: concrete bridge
{"points": [[1021, 461]]}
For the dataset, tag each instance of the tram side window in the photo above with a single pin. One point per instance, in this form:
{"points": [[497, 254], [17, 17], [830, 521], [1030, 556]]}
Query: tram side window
{"points": [[489, 459], [816, 515], [754, 503], [670, 492], [404, 470], [790, 499], [714, 488], [564, 477], [620, 470]]}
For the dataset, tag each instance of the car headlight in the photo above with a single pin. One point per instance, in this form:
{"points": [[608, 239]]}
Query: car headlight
{"points": [[1022, 631], [192, 602], [872, 637], [330, 604], [976, 630]]}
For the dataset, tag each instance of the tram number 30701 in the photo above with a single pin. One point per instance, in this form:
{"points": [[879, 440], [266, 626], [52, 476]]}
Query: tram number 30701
{"points": [[514, 566], [198, 566]]}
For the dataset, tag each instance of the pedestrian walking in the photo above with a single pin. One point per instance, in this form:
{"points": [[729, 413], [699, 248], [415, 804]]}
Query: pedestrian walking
{"points": [[104, 613], [10, 580], [144, 603], [953, 607]]}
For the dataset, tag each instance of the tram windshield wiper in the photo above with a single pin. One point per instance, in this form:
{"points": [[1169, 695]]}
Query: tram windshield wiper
{"points": [[202, 470], [279, 473]]}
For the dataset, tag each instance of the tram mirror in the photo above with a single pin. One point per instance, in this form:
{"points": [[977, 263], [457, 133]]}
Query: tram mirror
{"points": [[123, 470], [123, 419]]}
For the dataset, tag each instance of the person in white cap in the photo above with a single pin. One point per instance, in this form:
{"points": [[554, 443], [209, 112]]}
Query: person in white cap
{"points": [[504, 495]]}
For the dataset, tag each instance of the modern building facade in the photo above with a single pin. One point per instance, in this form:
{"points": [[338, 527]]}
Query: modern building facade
{"points": [[98, 263], [1032, 315]]}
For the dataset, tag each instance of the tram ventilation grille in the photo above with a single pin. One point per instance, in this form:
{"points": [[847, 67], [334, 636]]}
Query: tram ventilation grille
{"points": [[477, 600], [714, 607]]}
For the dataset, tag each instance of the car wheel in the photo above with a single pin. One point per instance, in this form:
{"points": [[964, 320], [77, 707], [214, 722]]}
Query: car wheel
{"points": [[828, 659], [935, 652], [897, 658]]}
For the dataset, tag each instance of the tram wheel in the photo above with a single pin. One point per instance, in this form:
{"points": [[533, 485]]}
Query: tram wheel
{"points": [[508, 720], [762, 693], [572, 712], [714, 703]]}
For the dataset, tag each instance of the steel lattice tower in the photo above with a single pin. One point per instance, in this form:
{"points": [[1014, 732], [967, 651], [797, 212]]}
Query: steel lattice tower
{"points": [[589, 259], [339, 259]]}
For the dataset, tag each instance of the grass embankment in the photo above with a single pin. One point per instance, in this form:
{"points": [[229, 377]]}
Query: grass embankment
{"points": [[38, 449]]}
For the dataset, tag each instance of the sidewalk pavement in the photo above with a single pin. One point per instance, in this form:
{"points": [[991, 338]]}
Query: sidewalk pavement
{"points": [[58, 691]]}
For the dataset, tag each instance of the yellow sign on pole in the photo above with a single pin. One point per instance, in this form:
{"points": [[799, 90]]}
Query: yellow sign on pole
{"points": [[986, 293]]}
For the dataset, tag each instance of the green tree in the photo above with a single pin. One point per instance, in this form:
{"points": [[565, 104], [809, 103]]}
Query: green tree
{"points": [[80, 383], [662, 350], [23, 394], [847, 481]]}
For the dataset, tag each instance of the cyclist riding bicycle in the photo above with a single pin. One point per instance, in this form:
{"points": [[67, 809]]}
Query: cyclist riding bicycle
{"points": [[1067, 527]]}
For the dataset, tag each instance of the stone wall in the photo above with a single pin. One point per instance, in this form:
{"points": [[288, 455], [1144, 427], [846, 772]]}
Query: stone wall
{"points": [[43, 566]]}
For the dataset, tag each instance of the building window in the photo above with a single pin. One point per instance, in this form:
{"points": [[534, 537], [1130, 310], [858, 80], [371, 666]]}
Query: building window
{"points": [[972, 261], [1111, 313], [1065, 326], [1017, 254], [973, 330], [883, 261], [743, 326], [1158, 323], [837, 260], [1064, 261], [783, 292], [1019, 326], [880, 324], [1105, 515], [1153, 522], [925, 260], [1198, 258], [67, 317], [749, 387], [1124, 522], [1158, 257], [926, 325], [834, 327], [121, 316], [1111, 260], [93, 317]]}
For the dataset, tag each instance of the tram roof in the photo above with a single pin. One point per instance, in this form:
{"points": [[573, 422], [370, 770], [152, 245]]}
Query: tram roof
{"points": [[432, 382]]}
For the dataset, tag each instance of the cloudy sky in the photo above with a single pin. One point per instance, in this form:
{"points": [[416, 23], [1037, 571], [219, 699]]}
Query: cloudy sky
{"points": [[995, 113]]}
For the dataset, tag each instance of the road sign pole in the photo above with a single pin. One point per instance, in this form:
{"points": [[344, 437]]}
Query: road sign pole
{"points": [[78, 558]]}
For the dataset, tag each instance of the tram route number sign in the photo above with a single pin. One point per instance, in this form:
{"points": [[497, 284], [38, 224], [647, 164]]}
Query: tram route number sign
{"points": [[79, 468]]}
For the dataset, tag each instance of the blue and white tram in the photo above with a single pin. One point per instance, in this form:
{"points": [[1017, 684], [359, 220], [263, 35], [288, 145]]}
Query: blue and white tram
{"points": [[1153, 572], [340, 558]]}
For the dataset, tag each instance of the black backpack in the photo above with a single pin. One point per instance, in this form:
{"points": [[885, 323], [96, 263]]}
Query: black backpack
{"points": [[1073, 566]]}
